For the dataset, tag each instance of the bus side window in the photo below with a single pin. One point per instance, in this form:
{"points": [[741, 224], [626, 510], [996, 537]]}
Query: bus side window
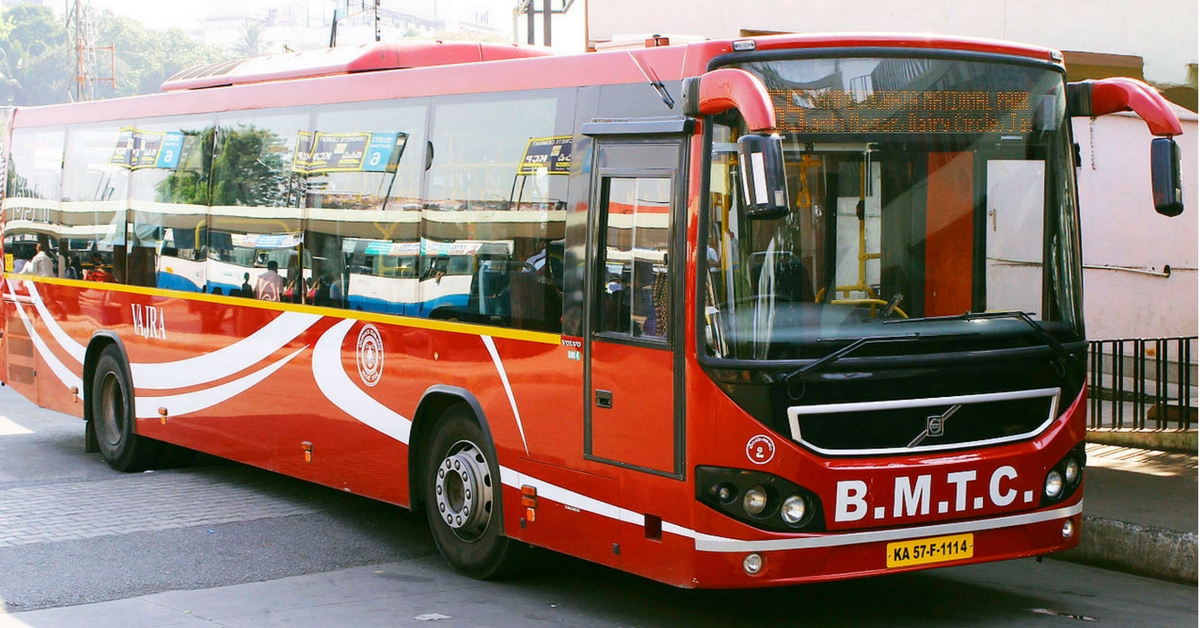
{"points": [[363, 220]]}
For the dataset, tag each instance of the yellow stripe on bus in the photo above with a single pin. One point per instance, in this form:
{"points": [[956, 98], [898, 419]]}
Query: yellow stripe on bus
{"points": [[456, 327]]}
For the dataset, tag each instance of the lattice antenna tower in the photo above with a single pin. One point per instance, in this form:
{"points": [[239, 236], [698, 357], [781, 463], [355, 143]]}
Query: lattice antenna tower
{"points": [[87, 69]]}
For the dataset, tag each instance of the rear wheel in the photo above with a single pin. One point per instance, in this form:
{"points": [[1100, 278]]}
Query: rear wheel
{"points": [[462, 488], [113, 416]]}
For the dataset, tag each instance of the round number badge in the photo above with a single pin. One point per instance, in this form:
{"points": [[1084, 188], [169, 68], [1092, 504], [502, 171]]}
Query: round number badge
{"points": [[760, 449]]}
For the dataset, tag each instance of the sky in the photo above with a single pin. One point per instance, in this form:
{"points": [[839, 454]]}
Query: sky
{"points": [[188, 14], [157, 14]]}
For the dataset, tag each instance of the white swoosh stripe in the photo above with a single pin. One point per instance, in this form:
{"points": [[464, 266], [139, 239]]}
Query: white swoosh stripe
{"points": [[201, 369], [512, 401], [74, 349], [60, 370], [226, 361], [147, 407], [338, 389]]}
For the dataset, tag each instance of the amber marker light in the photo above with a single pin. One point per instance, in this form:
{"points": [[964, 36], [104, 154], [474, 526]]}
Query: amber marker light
{"points": [[529, 501]]}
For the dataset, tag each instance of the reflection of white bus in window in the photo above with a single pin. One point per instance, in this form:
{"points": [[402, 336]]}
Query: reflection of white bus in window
{"points": [[382, 275], [450, 276], [180, 264], [232, 255], [428, 279]]}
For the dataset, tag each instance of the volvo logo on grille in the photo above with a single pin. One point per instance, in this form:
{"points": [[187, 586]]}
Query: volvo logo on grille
{"points": [[935, 426]]}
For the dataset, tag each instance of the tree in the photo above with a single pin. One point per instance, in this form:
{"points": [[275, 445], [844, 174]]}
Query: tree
{"points": [[34, 50], [251, 44], [37, 57], [145, 58]]}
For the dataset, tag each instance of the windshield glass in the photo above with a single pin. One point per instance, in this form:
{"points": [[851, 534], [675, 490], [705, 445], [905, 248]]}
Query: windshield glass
{"points": [[918, 188]]}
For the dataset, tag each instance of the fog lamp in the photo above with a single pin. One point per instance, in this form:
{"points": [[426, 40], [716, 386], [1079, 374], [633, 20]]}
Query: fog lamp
{"points": [[1054, 484], [753, 563], [755, 501], [1068, 529]]}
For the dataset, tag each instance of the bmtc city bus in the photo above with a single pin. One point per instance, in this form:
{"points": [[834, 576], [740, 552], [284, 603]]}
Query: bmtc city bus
{"points": [[727, 314]]}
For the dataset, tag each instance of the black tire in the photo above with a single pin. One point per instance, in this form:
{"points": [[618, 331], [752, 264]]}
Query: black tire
{"points": [[113, 416], [463, 494]]}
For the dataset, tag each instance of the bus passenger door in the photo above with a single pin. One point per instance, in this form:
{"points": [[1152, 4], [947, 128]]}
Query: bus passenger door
{"points": [[634, 413]]}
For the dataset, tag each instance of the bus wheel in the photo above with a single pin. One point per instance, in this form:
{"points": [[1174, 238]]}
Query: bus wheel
{"points": [[113, 417], [462, 498]]}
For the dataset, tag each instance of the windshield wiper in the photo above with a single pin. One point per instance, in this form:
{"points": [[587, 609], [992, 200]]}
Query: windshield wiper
{"points": [[820, 364], [1062, 356]]}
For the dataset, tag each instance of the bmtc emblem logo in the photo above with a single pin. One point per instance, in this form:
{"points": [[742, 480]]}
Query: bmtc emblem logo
{"points": [[370, 355]]}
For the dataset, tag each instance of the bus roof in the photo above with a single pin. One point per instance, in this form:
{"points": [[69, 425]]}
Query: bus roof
{"points": [[345, 60], [418, 54], [381, 71]]}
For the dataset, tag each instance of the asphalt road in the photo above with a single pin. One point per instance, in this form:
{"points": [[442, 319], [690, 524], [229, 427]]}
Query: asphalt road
{"points": [[218, 544]]}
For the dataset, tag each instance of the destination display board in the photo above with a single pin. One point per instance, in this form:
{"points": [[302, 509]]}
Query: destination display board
{"points": [[552, 154], [828, 110], [321, 152], [147, 149]]}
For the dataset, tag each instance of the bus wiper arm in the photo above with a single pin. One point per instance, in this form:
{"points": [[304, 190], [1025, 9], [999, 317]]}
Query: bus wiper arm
{"points": [[1062, 356], [820, 364]]}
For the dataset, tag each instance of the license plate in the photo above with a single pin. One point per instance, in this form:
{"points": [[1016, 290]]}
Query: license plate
{"points": [[938, 549]]}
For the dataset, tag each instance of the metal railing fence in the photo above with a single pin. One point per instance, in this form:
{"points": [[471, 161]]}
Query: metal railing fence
{"points": [[1142, 383]]}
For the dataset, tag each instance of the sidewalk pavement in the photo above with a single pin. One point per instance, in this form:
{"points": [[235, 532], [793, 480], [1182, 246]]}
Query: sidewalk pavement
{"points": [[1139, 512]]}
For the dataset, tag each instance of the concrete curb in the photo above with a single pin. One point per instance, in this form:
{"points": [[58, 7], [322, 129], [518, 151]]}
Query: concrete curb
{"points": [[1138, 549], [1182, 441]]}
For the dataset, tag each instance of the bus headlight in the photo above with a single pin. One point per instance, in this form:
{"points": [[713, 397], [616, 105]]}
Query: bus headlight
{"points": [[794, 509], [1054, 484], [1065, 477], [1071, 471], [755, 501], [761, 500]]}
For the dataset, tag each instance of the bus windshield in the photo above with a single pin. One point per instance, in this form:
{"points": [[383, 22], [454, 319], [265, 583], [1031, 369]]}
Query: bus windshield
{"points": [[918, 188]]}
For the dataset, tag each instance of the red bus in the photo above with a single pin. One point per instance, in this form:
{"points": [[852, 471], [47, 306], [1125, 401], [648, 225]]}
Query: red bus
{"points": [[729, 314]]}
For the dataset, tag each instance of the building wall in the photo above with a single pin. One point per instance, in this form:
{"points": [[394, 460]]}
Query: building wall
{"points": [[1163, 33], [1121, 229]]}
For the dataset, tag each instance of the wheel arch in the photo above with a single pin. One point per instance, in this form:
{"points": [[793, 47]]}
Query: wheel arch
{"points": [[434, 402]]}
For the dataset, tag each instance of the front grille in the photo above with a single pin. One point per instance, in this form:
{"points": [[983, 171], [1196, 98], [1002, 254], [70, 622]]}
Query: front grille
{"points": [[902, 426]]}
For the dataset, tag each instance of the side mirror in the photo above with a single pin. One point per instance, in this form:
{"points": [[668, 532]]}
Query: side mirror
{"points": [[1166, 176], [764, 183]]}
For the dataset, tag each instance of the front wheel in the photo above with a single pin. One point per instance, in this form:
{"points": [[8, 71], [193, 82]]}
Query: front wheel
{"points": [[463, 494], [113, 416]]}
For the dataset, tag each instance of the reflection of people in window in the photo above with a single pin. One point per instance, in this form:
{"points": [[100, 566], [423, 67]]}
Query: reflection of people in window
{"points": [[97, 271], [269, 284], [42, 264], [246, 289]]}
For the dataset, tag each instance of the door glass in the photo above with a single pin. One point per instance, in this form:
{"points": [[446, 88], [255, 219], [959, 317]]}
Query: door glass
{"points": [[1014, 235], [634, 293]]}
